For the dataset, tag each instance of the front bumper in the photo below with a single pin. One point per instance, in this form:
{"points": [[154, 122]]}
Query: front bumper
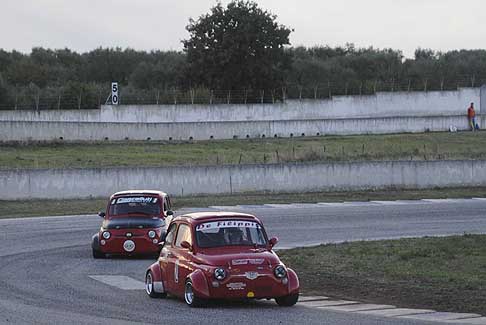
{"points": [[129, 246], [240, 287]]}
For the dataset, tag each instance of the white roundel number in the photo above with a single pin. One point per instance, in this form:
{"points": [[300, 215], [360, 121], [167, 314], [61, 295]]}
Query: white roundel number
{"points": [[129, 246], [114, 93]]}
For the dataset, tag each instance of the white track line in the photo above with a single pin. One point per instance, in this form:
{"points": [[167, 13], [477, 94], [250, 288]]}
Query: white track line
{"points": [[396, 312], [119, 281], [278, 205], [441, 316], [399, 202], [224, 207]]}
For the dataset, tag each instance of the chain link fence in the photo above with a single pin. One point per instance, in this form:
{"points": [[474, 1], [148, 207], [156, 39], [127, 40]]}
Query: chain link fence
{"points": [[92, 96]]}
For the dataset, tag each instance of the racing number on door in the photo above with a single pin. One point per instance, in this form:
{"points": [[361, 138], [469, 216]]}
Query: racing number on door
{"points": [[114, 93]]}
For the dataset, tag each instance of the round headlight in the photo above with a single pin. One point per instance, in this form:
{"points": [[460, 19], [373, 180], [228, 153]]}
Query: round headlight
{"points": [[280, 271], [106, 235], [219, 274], [151, 234]]}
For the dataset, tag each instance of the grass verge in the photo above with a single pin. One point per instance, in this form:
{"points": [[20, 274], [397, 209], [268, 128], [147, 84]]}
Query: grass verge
{"points": [[444, 274], [437, 145], [31, 208]]}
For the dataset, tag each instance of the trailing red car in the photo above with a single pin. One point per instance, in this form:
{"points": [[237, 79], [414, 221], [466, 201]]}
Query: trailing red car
{"points": [[133, 224], [220, 255]]}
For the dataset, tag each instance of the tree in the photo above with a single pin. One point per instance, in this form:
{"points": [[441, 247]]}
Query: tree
{"points": [[3, 92], [237, 47]]}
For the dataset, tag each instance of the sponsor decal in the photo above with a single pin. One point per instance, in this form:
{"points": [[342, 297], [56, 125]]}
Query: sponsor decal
{"points": [[251, 275], [256, 261], [208, 226], [236, 286], [138, 199], [253, 261]]}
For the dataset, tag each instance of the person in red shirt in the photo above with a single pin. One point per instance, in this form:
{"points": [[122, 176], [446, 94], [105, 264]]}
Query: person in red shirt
{"points": [[471, 115]]}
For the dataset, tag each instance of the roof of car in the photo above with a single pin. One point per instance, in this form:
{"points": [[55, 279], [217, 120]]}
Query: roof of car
{"points": [[198, 216], [137, 192]]}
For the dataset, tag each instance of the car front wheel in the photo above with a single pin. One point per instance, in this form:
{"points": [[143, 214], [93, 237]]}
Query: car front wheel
{"points": [[149, 286], [287, 301], [190, 298]]}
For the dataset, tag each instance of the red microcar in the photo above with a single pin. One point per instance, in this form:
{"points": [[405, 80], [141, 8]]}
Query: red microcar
{"points": [[133, 224], [220, 255]]}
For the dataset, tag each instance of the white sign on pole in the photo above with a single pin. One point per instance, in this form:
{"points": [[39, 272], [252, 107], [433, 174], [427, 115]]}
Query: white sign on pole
{"points": [[114, 93]]}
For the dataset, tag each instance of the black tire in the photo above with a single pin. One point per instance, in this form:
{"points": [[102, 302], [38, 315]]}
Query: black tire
{"points": [[149, 287], [287, 301], [98, 254], [190, 298]]}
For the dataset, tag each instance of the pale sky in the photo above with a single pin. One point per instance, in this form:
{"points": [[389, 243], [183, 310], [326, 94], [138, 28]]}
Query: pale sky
{"points": [[83, 25]]}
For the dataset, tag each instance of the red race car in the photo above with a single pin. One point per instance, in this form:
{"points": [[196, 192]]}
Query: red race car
{"points": [[220, 255], [133, 224]]}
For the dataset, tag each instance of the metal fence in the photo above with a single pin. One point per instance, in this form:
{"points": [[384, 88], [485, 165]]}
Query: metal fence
{"points": [[94, 97]]}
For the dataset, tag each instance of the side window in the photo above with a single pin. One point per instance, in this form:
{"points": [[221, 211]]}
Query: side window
{"points": [[184, 233], [170, 234], [166, 208]]}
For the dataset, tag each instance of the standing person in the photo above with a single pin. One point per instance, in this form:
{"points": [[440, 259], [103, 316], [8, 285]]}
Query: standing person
{"points": [[471, 115]]}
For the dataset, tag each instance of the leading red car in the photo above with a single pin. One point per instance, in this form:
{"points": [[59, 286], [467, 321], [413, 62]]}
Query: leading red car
{"points": [[220, 255], [133, 224]]}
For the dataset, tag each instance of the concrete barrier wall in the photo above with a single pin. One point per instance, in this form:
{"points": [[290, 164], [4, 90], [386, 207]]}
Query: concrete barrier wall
{"points": [[387, 104], [184, 181], [80, 131]]}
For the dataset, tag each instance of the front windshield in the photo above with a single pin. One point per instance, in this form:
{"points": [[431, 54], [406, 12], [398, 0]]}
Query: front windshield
{"points": [[145, 205], [229, 233]]}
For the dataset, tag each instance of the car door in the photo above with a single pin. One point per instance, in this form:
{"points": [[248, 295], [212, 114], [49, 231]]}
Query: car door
{"points": [[166, 258], [182, 258]]}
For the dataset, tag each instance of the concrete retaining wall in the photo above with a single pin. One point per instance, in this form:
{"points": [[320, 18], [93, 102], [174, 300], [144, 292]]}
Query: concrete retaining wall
{"points": [[378, 114], [183, 181], [76, 131], [388, 104]]}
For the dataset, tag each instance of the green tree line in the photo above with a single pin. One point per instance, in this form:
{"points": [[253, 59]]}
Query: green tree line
{"points": [[233, 54]]}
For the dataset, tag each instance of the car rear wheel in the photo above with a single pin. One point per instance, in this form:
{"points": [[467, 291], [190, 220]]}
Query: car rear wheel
{"points": [[149, 286], [190, 298], [287, 301], [98, 254]]}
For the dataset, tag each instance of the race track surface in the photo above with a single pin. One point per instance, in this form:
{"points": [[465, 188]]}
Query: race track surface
{"points": [[47, 274]]}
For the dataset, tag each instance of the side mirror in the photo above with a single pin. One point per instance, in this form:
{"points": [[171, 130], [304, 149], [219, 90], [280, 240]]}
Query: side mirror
{"points": [[273, 241], [186, 245], [170, 213], [101, 214]]}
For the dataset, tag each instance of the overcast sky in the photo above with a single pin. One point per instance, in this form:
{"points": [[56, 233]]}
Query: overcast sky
{"points": [[83, 25]]}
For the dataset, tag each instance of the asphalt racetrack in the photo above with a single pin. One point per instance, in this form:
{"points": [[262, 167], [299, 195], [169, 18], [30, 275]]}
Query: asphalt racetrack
{"points": [[47, 274]]}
